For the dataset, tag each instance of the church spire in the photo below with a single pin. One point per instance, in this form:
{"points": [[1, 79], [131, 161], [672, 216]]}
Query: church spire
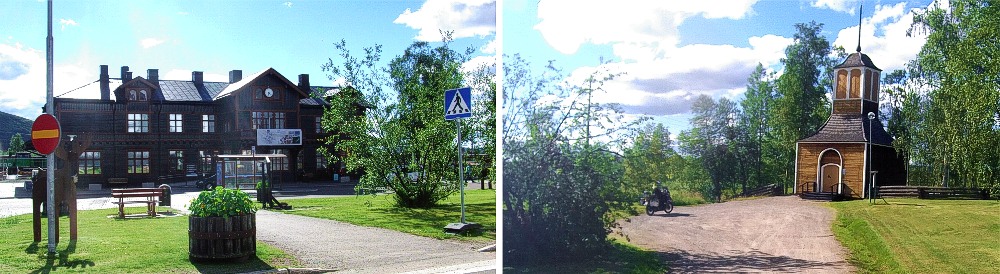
{"points": [[859, 26]]}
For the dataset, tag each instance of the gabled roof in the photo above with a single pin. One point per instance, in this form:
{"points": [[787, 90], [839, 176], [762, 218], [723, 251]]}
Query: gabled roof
{"points": [[850, 128], [187, 91], [243, 83], [857, 59], [317, 94]]}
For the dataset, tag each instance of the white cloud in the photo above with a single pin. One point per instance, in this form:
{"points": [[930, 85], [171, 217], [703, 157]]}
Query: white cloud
{"points": [[846, 6], [467, 18], [883, 37], [490, 47], [67, 22], [287, 4], [151, 42], [638, 30], [185, 75], [22, 79], [669, 83]]}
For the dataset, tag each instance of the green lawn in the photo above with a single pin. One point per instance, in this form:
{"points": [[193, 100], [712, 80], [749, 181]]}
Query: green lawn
{"points": [[921, 236], [380, 211], [622, 258], [109, 245]]}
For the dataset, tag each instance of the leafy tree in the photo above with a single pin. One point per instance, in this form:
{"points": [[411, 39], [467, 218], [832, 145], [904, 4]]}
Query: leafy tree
{"points": [[755, 130], [16, 144], [801, 105], [561, 176], [403, 131], [713, 130], [647, 161], [957, 68]]}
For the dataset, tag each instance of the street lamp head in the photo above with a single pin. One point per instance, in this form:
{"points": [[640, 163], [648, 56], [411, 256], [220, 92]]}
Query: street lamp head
{"points": [[871, 115]]}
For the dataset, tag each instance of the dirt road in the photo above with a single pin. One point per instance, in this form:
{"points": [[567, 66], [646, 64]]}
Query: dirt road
{"points": [[776, 234]]}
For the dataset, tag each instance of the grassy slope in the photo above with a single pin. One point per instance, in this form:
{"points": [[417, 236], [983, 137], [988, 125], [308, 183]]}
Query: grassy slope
{"points": [[921, 236], [108, 245], [379, 211]]}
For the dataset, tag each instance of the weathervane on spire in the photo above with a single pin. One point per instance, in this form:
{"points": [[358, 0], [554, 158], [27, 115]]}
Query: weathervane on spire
{"points": [[859, 26]]}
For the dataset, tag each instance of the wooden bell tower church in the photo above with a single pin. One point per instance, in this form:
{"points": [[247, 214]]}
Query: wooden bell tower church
{"points": [[840, 157]]}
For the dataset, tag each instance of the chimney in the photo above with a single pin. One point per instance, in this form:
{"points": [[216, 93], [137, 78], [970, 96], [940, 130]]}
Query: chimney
{"points": [[105, 83], [235, 76], [126, 75], [304, 83], [153, 75], [197, 77]]}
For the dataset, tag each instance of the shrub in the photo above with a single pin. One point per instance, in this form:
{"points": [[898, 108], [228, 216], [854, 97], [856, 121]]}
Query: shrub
{"points": [[222, 202]]}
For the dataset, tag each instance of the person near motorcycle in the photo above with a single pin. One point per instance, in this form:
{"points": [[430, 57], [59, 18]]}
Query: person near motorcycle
{"points": [[663, 201]]}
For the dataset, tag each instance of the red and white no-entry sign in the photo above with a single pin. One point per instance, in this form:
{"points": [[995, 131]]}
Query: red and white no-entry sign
{"points": [[45, 133]]}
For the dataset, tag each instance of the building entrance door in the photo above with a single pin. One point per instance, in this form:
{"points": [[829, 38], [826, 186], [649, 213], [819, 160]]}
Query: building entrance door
{"points": [[829, 176]]}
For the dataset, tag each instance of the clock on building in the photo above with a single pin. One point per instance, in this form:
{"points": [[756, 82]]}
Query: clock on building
{"points": [[268, 92]]}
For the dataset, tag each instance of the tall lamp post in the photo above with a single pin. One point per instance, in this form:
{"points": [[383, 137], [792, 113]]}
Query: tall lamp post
{"points": [[871, 191]]}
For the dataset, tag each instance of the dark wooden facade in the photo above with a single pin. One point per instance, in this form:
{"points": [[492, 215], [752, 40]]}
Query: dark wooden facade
{"points": [[838, 158], [228, 106]]}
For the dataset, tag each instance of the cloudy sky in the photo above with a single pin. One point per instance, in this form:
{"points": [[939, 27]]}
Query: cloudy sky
{"points": [[178, 37], [673, 51]]}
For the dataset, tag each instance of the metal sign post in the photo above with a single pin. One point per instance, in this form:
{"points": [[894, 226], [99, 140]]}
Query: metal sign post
{"points": [[50, 199], [457, 106]]}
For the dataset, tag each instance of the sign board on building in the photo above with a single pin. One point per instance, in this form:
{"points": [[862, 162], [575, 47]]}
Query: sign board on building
{"points": [[279, 137], [45, 133], [458, 103]]}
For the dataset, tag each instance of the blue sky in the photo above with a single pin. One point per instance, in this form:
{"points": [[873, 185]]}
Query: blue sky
{"points": [[673, 51], [177, 37]]}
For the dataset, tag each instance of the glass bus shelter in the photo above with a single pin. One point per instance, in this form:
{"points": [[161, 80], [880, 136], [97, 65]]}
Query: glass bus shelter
{"points": [[245, 171]]}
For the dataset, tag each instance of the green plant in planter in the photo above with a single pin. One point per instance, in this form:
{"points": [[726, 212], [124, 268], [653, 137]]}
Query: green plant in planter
{"points": [[222, 202]]}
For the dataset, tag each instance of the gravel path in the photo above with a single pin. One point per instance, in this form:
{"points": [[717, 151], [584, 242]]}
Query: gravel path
{"points": [[349, 248], [776, 234]]}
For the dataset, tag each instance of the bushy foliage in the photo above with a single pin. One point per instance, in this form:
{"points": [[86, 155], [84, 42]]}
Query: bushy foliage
{"points": [[222, 202], [561, 177], [390, 120]]}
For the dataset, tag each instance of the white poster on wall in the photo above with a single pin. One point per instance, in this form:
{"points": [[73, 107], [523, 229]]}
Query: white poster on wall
{"points": [[279, 137]]}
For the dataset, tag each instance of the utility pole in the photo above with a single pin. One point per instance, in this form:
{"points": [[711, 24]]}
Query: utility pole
{"points": [[50, 203]]}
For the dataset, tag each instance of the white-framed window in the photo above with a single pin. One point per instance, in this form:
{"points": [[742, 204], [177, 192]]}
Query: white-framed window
{"points": [[268, 120], [321, 161], [206, 161], [176, 122], [176, 163], [208, 123], [90, 163], [280, 163], [138, 95], [138, 122], [138, 162]]}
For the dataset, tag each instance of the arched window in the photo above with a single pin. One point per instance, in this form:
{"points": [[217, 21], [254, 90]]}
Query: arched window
{"points": [[142, 95], [856, 83], [841, 85], [874, 84], [132, 95]]}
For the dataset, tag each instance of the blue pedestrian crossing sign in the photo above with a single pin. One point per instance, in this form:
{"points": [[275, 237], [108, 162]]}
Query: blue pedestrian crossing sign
{"points": [[457, 103]]}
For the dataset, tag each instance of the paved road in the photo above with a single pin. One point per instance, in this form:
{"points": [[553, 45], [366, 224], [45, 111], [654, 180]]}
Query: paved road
{"points": [[349, 248], [776, 234]]}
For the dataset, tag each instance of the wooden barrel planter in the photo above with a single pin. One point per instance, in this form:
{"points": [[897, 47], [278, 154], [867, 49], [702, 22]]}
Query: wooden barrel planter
{"points": [[218, 238]]}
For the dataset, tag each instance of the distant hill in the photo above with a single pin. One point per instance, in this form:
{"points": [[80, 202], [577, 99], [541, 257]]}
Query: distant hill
{"points": [[10, 124]]}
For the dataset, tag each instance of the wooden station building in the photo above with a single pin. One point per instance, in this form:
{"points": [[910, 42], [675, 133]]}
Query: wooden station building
{"points": [[158, 130], [838, 158]]}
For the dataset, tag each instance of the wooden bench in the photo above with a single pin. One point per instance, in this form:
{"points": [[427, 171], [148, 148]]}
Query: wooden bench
{"points": [[151, 195], [953, 193], [117, 181]]}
